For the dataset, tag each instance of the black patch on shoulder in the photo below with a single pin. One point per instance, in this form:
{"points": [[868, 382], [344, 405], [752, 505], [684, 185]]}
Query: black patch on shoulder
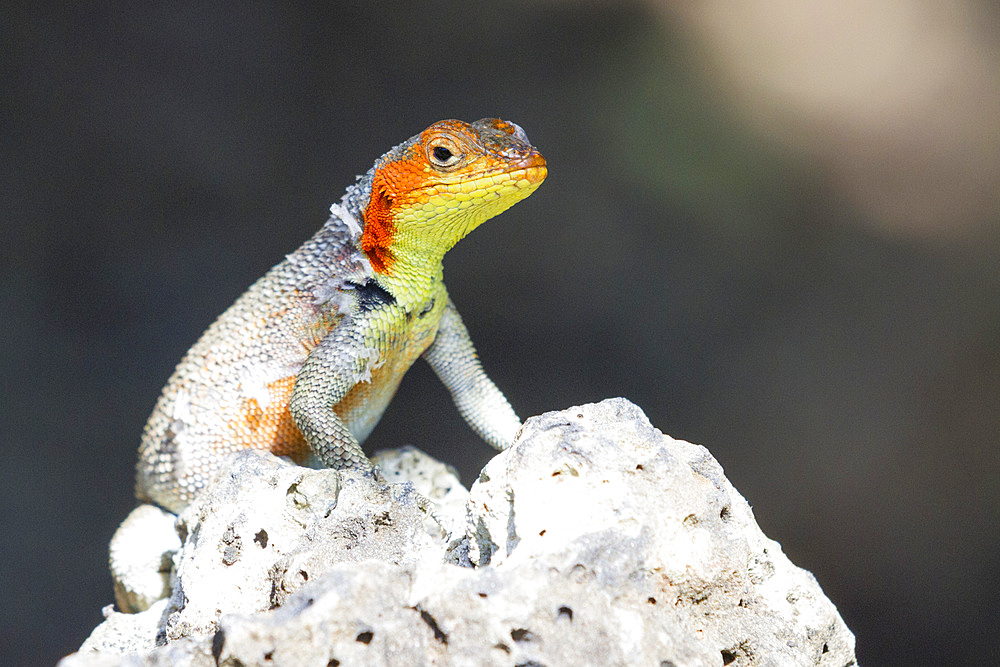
{"points": [[371, 296]]}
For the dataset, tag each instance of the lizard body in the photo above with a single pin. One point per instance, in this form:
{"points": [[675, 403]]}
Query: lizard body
{"points": [[306, 361]]}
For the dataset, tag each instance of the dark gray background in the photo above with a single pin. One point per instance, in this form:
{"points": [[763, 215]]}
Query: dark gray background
{"points": [[156, 162]]}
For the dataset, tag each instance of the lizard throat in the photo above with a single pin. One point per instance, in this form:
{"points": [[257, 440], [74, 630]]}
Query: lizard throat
{"points": [[420, 225]]}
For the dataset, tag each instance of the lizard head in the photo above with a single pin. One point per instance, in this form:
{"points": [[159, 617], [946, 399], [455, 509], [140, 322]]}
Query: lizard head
{"points": [[432, 190]]}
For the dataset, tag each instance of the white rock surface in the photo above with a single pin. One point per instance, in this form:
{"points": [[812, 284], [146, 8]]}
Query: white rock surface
{"points": [[595, 539], [142, 557], [432, 479]]}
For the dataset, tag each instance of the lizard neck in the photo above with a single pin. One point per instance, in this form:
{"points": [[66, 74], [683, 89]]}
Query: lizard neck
{"points": [[413, 281], [405, 240], [411, 268]]}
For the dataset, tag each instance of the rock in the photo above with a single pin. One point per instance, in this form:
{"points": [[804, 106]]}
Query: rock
{"points": [[433, 480], [594, 539], [601, 496], [143, 575], [267, 527], [123, 634]]}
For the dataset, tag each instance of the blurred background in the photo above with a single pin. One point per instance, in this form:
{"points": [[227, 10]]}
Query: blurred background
{"points": [[772, 225]]}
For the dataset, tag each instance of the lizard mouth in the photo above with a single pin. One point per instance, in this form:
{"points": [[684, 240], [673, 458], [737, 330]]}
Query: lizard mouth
{"points": [[532, 168], [526, 173]]}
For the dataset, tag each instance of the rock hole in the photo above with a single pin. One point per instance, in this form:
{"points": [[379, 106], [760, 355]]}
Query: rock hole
{"points": [[333, 662], [639, 467], [430, 620], [217, 641], [365, 637], [521, 635], [690, 520], [826, 647], [503, 647], [542, 533], [261, 538], [651, 600], [667, 663], [724, 514], [567, 612], [482, 595], [269, 656], [304, 575], [579, 415], [728, 657]]}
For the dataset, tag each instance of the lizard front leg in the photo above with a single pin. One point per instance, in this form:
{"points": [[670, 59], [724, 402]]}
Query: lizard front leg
{"points": [[341, 360], [483, 406]]}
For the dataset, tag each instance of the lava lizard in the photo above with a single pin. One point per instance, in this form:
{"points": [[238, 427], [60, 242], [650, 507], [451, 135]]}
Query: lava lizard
{"points": [[305, 362]]}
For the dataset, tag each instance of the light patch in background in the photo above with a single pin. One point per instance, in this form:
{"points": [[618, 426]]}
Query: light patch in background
{"points": [[897, 102]]}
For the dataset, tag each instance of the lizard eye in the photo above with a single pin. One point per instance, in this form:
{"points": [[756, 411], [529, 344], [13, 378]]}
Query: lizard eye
{"points": [[444, 156]]}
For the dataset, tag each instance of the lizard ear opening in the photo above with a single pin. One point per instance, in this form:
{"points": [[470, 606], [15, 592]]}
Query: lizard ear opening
{"points": [[376, 239]]}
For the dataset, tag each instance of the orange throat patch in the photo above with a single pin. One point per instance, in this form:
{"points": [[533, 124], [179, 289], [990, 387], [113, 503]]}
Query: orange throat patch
{"points": [[376, 240]]}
